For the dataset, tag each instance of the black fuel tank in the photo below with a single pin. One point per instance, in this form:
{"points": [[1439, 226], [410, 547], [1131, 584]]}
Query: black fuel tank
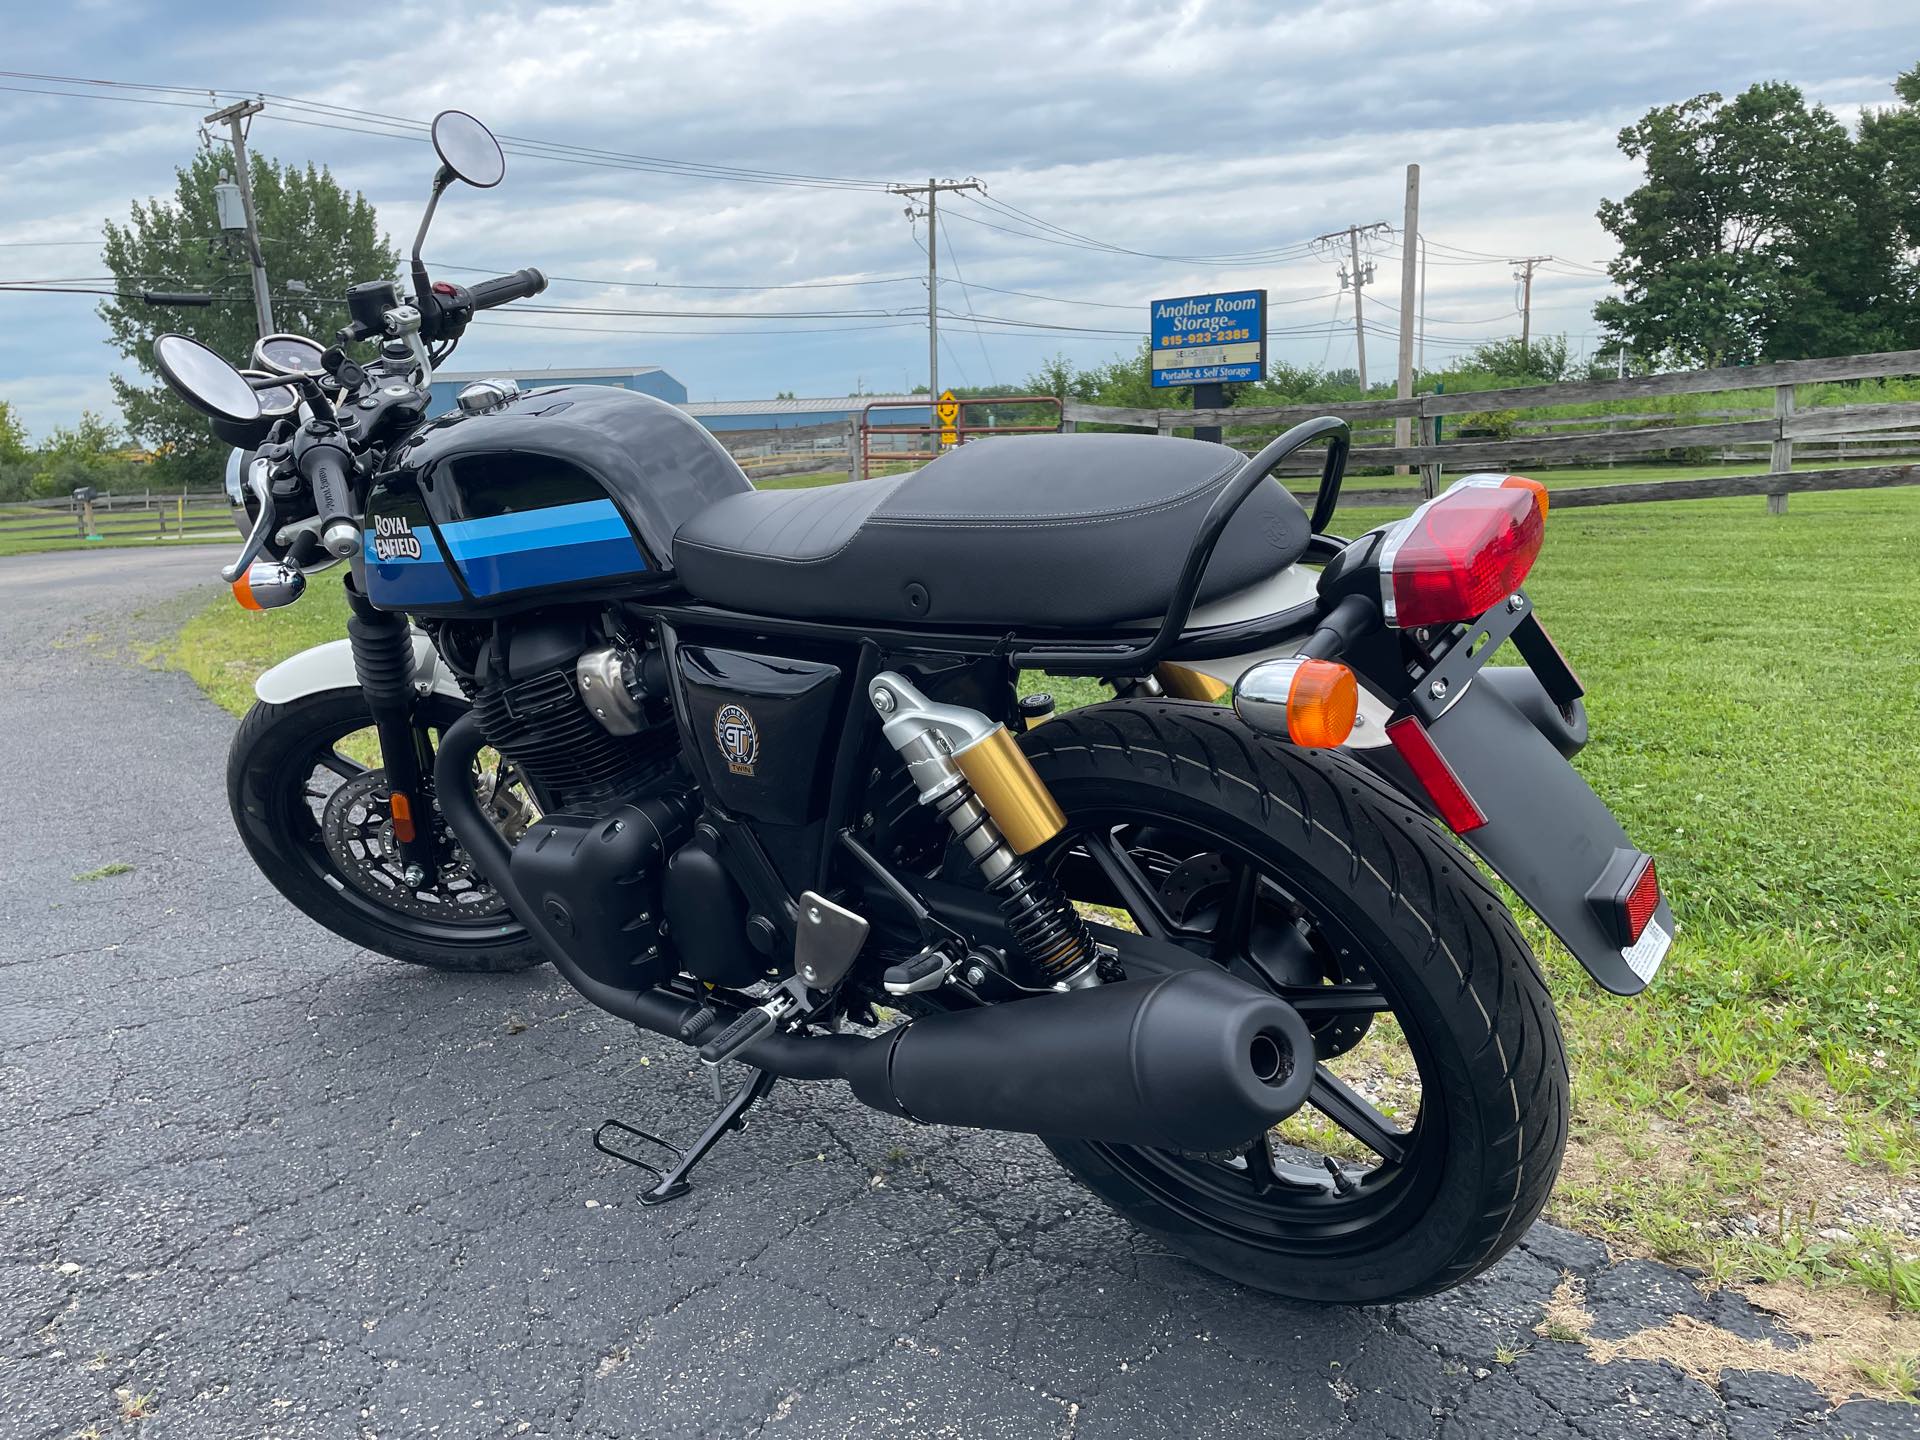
{"points": [[559, 490]]}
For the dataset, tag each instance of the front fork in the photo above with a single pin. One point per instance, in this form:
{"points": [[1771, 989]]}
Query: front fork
{"points": [[383, 664]]}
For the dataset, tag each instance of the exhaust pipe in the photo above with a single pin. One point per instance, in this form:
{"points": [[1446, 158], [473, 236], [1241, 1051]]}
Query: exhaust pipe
{"points": [[1193, 1060]]}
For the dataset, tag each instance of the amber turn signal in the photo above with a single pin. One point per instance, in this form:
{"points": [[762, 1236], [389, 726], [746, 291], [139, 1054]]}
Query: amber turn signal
{"points": [[1521, 482], [1322, 703], [1311, 703]]}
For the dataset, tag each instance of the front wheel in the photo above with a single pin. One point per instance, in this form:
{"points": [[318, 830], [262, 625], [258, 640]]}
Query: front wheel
{"points": [[311, 805], [1438, 1114]]}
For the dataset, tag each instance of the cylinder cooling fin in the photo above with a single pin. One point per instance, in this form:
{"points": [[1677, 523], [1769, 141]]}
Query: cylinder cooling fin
{"points": [[526, 687]]}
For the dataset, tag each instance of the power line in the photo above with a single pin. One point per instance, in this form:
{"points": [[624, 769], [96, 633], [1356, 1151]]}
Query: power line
{"points": [[319, 114], [979, 336], [1265, 253], [509, 323], [678, 285]]}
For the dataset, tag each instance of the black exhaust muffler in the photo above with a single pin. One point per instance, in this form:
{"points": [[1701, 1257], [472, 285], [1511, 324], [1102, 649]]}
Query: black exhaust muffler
{"points": [[1193, 1060]]}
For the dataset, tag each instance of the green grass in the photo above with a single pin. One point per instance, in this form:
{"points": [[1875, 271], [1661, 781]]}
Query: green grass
{"points": [[103, 872], [1752, 685], [225, 648]]}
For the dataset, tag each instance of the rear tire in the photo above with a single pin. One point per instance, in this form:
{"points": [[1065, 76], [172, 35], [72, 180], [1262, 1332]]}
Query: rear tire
{"points": [[1431, 935], [267, 771]]}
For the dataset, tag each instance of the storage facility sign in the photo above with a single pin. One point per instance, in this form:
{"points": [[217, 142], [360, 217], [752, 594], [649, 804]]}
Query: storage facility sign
{"points": [[1208, 339]]}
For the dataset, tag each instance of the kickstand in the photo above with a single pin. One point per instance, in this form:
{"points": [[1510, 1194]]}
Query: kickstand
{"points": [[672, 1182]]}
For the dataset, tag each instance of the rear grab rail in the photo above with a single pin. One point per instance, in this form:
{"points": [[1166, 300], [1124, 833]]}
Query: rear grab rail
{"points": [[1128, 659]]}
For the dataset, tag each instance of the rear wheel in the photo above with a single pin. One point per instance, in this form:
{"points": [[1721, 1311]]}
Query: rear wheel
{"points": [[1438, 1113], [311, 804]]}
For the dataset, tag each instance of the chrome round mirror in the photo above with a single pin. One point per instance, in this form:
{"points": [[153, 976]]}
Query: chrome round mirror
{"points": [[468, 149], [287, 355], [204, 379]]}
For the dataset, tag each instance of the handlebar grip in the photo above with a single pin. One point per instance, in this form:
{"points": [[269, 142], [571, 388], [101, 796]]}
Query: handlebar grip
{"points": [[326, 472], [498, 291]]}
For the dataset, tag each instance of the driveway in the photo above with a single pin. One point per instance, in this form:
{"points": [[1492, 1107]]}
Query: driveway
{"points": [[255, 1182]]}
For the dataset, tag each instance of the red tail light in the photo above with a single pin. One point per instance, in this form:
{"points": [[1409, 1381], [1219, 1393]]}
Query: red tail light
{"points": [[1460, 554]]}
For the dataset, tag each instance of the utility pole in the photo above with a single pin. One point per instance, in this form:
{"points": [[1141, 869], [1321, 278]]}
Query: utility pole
{"points": [[231, 118], [932, 191], [1409, 240], [1525, 276], [1360, 275]]}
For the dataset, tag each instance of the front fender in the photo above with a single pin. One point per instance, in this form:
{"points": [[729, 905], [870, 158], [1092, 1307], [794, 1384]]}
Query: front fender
{"points": [[330, 667]]}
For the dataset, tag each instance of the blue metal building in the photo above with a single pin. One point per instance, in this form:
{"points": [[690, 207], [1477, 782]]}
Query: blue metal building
{"points": [[723, 415], [647, 379]]}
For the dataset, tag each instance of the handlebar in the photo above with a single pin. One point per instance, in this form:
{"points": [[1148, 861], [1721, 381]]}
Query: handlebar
{"points": [[326, 469], [520, 285]]}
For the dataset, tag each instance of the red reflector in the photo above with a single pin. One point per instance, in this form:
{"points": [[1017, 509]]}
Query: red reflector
{"points": [[401, 809], [1642, 900], [1460, 555], [1431, 769]]}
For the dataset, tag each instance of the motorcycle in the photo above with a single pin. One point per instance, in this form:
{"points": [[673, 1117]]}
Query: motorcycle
{"points": [[754, 770]]}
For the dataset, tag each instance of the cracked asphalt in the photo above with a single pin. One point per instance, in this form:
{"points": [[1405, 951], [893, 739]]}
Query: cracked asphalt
{"points": [[255, 1182]]}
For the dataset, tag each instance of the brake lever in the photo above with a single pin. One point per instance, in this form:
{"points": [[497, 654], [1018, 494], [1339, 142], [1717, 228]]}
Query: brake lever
{"points": [[263, 525]]}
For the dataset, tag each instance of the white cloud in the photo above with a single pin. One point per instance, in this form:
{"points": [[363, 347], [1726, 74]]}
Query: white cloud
{"points": [[1180, 128]]}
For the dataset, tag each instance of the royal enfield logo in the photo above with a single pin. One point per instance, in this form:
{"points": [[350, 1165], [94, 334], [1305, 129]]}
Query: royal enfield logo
{"points": [[393, 538], [739, 741]]}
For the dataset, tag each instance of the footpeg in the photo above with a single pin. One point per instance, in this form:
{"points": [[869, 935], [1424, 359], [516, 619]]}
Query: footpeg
{"points": [[750, 1026], [926, 971]]}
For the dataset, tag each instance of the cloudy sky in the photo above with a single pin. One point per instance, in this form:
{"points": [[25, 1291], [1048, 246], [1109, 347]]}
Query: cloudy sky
{"points": [[1113, 141]]}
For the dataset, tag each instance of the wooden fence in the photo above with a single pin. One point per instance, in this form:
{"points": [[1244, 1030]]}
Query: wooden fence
{"points": [[122, 517], [1625, 435]]}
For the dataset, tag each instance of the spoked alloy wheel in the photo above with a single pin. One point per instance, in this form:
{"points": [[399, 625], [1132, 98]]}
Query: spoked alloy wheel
{"points": [[1436, 1120], [313, 809], [1367, 1148]]}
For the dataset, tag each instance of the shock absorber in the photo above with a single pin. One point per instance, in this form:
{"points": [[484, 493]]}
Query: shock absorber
{"points": [[971, 772]]}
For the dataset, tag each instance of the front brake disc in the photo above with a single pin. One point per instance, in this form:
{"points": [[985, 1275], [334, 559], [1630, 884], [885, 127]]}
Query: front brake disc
{"points": [[357, 827]]}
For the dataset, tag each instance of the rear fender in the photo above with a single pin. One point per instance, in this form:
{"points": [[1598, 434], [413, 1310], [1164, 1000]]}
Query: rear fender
{"points": [[330, 667], [1547, 834]]}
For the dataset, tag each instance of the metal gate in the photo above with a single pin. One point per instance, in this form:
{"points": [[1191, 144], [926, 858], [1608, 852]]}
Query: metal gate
{"points": [[939, 435]]}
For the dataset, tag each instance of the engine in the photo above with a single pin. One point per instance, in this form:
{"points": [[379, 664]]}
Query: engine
{"points": [[568, 708], [596, 747]]}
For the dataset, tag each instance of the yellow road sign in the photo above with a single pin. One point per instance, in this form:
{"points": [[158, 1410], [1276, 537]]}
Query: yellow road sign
{"points": [[949, 412]]}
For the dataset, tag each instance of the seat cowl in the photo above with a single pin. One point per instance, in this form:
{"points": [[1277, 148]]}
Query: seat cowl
{"points": [[1062, 531]]}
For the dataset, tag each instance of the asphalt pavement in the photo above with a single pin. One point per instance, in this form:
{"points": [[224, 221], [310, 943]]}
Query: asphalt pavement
{"points": [[255, 1182]]}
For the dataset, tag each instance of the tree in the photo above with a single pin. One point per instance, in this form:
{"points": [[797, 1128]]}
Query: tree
{"points": [[83, 453], [1890, 150], [1750, 238], [312, 231], [1542, 362], [13, 436]]}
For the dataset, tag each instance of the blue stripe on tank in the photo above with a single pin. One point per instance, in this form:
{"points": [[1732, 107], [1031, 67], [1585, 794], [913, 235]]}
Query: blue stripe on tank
{"points": [[402, 581], [583, 541]]}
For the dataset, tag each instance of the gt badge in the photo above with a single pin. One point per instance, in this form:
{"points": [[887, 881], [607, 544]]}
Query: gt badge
{"points": [[739, 741]]}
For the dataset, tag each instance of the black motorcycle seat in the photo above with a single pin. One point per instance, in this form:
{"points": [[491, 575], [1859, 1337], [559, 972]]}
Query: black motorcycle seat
{"points": [[1066, 531]]}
